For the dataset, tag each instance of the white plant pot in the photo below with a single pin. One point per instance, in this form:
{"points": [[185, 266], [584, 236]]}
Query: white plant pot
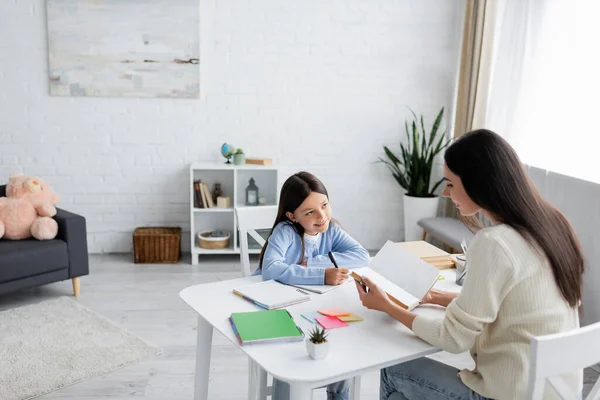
{"points": [[317, 351], [416, 208]]}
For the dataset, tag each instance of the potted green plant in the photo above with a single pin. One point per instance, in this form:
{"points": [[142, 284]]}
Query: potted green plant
{"points": [[317, 344], [238, 157], [412, 170]]}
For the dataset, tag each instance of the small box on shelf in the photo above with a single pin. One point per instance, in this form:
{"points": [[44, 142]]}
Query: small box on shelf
{"points": [[223, 202]]}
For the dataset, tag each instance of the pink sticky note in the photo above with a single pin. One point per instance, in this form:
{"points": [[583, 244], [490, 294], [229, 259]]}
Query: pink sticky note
{"points": [[329, 322], [334, 312]]}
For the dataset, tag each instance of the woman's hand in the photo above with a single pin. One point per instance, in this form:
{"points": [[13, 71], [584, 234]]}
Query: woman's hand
{"points": [[335, 276], [439, 297], [375, 299]]}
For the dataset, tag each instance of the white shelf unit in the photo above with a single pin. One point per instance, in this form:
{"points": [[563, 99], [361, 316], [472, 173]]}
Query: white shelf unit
{"points": [[233, 179]]}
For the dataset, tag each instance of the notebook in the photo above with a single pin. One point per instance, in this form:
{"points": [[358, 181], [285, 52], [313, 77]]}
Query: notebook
{"points": [[272, 294], [429, 253], [402, 275], [265, 327], [320, 288]]}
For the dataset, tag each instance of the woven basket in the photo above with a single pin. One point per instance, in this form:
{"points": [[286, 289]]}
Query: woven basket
{"points": [[205, 241], [160, 245]]}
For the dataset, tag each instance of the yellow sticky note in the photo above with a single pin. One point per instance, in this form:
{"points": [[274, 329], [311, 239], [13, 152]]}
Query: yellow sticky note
{"points": [[351, 318]]}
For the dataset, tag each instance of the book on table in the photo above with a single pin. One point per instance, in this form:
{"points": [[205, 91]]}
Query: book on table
{"points": [[272, 294], [429, 253], [402, 275], [320, 289], [268, 326]]}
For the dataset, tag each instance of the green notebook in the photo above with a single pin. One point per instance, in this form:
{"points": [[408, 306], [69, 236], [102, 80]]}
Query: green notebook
{"points": [[265, 327]]}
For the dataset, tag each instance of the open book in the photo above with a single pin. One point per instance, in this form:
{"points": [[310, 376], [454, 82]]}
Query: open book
{"points": [[402, 275]]}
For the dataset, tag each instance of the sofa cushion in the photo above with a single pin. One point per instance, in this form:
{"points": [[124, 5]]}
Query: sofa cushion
{"points": [[30, 257], [449, 230]]}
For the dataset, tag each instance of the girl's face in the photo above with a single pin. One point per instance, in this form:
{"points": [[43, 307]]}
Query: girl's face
{"points": [[456, 192], [313, 214]]}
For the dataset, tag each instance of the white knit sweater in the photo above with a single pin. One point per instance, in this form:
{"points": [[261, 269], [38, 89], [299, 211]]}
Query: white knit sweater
{"points": [[508, 297]]}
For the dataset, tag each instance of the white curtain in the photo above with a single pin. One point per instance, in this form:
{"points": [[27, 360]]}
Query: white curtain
{"points": [[546, 82]]}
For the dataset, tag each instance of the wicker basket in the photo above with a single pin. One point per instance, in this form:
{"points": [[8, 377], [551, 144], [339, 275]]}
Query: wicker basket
{"points": [[157, 245], [205, 241]]}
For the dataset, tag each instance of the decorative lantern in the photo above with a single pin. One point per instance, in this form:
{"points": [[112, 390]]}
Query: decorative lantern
{"points": [[252, 194]]}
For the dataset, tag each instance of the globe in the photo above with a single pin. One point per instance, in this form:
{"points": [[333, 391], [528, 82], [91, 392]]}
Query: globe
{"points": [[227, 152]]}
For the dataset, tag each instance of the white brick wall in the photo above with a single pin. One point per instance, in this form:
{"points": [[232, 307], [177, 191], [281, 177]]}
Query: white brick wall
{"points": [[316, 85]]}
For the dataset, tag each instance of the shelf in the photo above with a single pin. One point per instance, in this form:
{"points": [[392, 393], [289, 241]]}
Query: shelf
{"points": [[229, 167], [214, 209], [200, 250]]}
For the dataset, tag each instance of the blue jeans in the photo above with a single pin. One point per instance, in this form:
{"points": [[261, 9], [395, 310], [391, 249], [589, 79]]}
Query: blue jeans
{"points": [[423, 379], [335, 391]]}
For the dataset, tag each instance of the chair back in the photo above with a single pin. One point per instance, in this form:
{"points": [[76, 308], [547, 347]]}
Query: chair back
{"points": [[249, 219], [561, 353]]}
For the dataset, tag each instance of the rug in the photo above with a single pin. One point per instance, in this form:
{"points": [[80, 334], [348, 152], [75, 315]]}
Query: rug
{"points": [[56, 343]]}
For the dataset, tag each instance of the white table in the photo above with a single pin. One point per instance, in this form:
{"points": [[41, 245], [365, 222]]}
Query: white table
{"points": [[377, 342]]}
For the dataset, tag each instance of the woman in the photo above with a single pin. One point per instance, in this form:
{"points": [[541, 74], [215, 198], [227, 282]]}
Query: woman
{"points": [[524, 280]]}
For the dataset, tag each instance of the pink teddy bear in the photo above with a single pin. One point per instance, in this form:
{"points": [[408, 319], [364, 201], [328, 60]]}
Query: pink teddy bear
{"points": [[27, 209]]}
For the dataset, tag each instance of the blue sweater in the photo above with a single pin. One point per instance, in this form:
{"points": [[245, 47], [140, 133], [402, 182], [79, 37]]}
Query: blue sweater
{"points": [[283, 251]]}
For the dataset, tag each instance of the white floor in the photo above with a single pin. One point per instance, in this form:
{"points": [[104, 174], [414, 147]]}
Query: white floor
{"points": [[144, 299]]}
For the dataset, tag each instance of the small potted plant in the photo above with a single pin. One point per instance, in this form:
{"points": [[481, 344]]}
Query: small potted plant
{"points": [[317, 344], [238, 157]]}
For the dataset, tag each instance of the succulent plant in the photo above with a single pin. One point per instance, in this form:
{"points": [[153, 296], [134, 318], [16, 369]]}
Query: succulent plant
{"points": [[318, 335]]}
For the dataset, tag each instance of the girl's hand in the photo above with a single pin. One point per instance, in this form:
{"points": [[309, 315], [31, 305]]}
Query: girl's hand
{"points": [[335, 276], [375, 299]]}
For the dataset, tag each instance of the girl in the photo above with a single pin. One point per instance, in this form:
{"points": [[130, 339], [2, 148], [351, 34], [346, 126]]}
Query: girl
{"points": [[524, 280], [297, 250]]}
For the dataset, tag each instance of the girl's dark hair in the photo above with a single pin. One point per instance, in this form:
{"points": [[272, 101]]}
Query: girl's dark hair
{"points": [[293, 192], [494, 178]]}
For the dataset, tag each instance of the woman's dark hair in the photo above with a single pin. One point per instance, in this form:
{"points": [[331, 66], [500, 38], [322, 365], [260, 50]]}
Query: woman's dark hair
{"points": [[494, 178], [293, 192]]}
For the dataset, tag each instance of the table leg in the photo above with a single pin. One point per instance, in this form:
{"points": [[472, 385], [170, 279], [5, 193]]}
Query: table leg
{"points": [[355, 388], [257, 381], [203, 347], [299, 391], [263, 391]]}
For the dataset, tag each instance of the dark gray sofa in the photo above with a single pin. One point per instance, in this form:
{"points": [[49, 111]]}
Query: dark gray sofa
{"points": [[30, 262]]}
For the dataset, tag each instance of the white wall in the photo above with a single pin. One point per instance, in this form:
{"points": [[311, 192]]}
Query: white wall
{"points": [[316, 85]]}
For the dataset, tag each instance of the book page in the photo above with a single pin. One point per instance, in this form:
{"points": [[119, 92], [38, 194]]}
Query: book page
{"points": [[393, 290], [404, 269]]}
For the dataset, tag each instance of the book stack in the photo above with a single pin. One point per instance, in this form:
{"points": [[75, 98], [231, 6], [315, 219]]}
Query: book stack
{"points": [[270, 326], [429, 253], [259, 161], [202, 196]]}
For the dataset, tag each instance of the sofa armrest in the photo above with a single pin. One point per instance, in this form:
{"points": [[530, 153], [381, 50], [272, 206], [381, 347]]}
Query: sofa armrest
{"points": [[71, 229]]}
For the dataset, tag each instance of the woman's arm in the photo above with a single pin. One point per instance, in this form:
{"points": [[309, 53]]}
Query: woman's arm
{"points": [[488, 282]]}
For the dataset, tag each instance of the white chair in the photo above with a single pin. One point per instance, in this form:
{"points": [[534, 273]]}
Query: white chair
{"points": [[249, 219], [560, 353]]}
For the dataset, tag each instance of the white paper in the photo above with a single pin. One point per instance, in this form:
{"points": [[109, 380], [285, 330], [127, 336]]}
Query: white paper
{"points": [[413, 276]]}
